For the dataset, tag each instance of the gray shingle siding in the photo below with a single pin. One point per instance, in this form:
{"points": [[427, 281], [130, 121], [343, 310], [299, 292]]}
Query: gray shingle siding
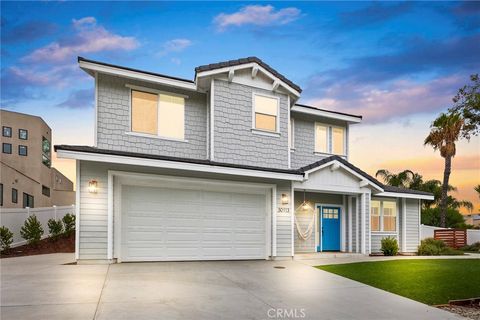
{"points": [[304, 144], [234, 141], [113, 118]]}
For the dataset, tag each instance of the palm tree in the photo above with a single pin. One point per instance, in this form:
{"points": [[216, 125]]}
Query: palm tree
{"points": [[445, 131], [477, 188], [402, 179]]}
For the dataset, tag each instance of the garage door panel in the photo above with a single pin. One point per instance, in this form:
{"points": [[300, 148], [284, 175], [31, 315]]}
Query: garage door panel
{"points": [[170, 224]]}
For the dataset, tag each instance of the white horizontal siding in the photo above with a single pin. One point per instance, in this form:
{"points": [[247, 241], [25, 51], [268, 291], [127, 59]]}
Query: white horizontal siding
{"points": [[377, 241], [412, 225], [284, 223]]}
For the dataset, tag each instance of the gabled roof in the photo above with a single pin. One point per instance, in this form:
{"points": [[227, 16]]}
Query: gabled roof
{"points": [[237, 62], [386, 188]]}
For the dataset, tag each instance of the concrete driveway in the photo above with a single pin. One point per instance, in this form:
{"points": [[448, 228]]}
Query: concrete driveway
{"points": [[42, 287]]}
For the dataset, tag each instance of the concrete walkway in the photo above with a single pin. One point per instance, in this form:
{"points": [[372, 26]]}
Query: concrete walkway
{"points": [[42, 287]]}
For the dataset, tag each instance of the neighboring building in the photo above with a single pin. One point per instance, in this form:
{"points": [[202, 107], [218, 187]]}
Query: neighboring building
{"points": [[473, 219], [227, 166], [27, 178]]}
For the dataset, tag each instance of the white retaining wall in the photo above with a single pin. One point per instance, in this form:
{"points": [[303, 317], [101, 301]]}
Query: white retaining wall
{"points": [[428, 232], [14, 218]]}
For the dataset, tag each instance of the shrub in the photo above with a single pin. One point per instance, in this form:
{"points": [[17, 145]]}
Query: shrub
{"points": [[389, 246], [6, 238], [32, 230], [432, 247], [475, 247], [55, 227], [69, 223]]}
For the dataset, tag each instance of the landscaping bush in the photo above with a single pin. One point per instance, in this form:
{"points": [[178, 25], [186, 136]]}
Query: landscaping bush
{"points": [[69, 223], [6, 238], [432, 247], [475, 247], [32, 230], [389, 246], [55, 227]]}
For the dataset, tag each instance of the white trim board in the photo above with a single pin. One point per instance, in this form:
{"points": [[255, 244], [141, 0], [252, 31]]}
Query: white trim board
{"points": [[403, 195], [325, 114], [167, 164]]}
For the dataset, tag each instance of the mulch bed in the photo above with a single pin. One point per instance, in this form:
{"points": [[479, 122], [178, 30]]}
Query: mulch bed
{"points": [[61, 245], [469, 312]]}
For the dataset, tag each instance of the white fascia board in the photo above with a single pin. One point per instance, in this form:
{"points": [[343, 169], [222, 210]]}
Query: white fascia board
{"points": [[326, 114], [137, 75], [167, 164], [246, 66], [403, 195], [341, 165]]}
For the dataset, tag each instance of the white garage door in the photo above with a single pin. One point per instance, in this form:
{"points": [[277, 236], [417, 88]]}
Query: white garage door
{"points": [[176, 223]]}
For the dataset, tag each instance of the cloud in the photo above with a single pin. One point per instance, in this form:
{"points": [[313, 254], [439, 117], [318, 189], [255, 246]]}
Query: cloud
{"points": [[27, 31], [175, 45], [79, 99], [89, 38], [257, 15], [373, 14], [397, 99]]}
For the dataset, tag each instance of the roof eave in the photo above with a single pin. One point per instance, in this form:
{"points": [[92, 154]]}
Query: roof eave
{"points": [[352, 119]]}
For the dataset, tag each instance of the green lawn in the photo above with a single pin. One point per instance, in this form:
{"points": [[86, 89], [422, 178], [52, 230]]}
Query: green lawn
{"points": [[431, 281]]}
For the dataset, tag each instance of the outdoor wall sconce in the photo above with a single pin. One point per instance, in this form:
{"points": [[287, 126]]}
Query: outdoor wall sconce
{"points": [[284, 198], [92, 186]]}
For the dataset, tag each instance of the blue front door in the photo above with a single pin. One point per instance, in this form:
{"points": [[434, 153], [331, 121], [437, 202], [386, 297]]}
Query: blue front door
{"points": [[330, 228]]}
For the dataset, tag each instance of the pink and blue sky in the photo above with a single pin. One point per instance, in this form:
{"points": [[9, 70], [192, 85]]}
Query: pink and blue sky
{"points": [[396, 63]]}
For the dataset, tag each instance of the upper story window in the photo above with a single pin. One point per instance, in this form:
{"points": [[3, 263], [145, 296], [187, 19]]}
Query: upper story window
{"points": [[7, 131], [383, 215], [45, 191], [265, 113], [46, 160], [158, 114], [321, 138], [22, 150], [7, 148], [326, 133], [22, 134]]}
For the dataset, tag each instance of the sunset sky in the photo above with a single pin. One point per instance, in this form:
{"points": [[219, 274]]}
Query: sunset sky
{"points": [[397, 64]]}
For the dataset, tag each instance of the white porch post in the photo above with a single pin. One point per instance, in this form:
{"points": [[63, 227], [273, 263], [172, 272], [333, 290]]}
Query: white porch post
{"points": [[364, 221], [404, 225], [357, 224], [349, 224], [292, 217], [343, 225]]}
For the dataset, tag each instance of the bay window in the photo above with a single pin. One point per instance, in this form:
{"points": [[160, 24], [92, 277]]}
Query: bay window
{"points": [[265, 113], [383, 215], [158, 114]]}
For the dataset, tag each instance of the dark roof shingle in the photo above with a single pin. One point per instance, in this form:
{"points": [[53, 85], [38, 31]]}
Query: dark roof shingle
{"points": [[236, 62]]}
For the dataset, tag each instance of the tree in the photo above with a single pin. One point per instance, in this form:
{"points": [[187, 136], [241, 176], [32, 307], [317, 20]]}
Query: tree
{"points": [[477, 189], [467, 103], [402, 179], [445, 132]]}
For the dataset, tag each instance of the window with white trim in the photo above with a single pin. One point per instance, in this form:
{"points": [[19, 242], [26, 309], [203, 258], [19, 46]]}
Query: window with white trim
{"points": [[383, 215], [338, 140], [158, 114], [321, 138], [265, 113]]}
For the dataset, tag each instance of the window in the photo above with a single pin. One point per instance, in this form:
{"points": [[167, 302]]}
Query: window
{"points": [[46, 152], [28, 200], [22, 150], [1, 194], [7, 148], [338, 140], [14, 195], [158, 114], [291, 136], [375, 215], [22, 134], [321, 138], [266, 113], [383, 215], [7, 131], [389, 216], [46, 191]]}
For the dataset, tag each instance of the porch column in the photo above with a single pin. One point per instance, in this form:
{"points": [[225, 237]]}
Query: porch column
{"points": [[357, 224], [404, 225], [350, 209], [363, 222]]}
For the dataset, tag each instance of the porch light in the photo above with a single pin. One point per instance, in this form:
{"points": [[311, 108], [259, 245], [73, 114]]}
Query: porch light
{"points": [[284, 198], [92, 186], [305, 205]]}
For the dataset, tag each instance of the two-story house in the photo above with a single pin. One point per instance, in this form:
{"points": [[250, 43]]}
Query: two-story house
{"points": [[226, 166]]}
